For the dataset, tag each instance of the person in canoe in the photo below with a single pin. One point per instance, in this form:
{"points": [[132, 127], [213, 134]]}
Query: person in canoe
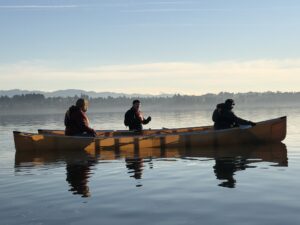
{"points": [[134, 118], [217, 117], [76, 120], [224, 117]]}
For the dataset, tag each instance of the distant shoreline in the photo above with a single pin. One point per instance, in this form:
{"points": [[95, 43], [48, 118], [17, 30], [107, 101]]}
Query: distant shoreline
{"points": [[39, 104]]}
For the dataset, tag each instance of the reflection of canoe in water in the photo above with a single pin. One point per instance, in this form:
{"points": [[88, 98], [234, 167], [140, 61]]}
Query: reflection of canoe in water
{"points": [[80, 164], [275, 152], [264, 132]]}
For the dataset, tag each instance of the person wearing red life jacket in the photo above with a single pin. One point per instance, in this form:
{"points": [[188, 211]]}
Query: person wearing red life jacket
{"points": [[76, 120]]}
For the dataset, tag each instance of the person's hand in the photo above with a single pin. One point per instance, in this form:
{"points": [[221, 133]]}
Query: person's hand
{"points": [[149, 119], [252, 123]]}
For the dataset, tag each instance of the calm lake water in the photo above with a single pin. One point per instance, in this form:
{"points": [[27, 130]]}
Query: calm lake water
{"points": [[244, 185]]}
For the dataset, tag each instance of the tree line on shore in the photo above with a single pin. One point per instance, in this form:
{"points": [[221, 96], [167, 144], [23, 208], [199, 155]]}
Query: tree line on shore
{"points": [[27, 102]]}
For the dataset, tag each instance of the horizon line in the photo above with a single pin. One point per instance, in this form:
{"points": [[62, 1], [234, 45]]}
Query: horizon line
{"points": [[162, 93]]}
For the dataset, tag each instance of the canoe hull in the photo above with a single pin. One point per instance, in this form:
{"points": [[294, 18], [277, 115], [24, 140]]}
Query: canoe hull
{"points": [[264, 132]]}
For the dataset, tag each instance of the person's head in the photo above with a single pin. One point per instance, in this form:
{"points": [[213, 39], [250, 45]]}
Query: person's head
{"points": [[229, 103], [82, 104], [136, 104]]}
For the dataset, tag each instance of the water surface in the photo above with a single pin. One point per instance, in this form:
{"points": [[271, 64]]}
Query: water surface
{"points": [[238, 185]]}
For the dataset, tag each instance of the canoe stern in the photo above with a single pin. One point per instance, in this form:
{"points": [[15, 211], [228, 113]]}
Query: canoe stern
{"points": [[279, 129]]}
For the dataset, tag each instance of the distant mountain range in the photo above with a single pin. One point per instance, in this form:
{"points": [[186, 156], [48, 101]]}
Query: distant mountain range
{"points": [[78, 92]]}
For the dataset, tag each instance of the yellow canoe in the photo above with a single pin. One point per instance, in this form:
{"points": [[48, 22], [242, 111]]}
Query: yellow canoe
{"points": [[268, 131]]}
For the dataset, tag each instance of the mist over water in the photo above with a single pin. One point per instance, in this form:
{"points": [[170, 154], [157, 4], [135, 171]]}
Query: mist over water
{"points": [[238, 185]]}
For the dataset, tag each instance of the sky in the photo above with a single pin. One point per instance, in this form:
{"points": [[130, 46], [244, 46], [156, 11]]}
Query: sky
{"points": [[157, 46]]}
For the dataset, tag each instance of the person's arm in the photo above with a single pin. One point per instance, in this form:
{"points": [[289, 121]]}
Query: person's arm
{"points": [[229, 117], [241, 121], [83, 124], [140, 118], [146, 121]]}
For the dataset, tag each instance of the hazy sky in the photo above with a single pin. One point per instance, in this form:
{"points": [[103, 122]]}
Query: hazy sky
{"points": [[156, 46]]}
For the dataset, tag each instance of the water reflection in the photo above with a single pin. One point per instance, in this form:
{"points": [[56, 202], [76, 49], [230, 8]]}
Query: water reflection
{"points": [[226, 166], [135, 168], [225, 169], [78, 174], [81, 164]]}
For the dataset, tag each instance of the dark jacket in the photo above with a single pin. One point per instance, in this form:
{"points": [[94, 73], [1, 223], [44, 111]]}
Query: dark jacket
{"points": [[219, 122], [224, 118], [134, 119], [77, 122]]}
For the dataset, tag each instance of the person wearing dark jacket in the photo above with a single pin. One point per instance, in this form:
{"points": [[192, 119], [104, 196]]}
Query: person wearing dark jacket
{"points": [[217, 117], [134, 118], [225, 118], [76, 120]]}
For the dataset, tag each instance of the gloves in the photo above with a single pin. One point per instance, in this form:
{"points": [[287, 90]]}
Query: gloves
{"points": [[148, 119]]}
